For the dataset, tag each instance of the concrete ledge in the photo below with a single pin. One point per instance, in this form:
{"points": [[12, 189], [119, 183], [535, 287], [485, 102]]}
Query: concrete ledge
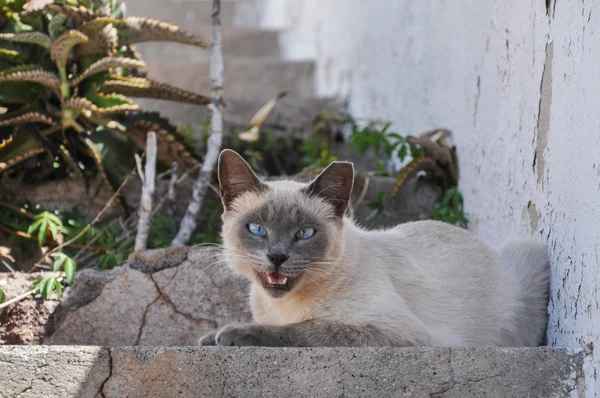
{"points": [[72, 371]]}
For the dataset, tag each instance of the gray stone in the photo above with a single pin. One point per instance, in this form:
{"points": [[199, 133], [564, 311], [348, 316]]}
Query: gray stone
{"points": [[165, 325], [114, 318], [299, 372], [42, 371], [204, 288], [174, 297], [154, 260]]}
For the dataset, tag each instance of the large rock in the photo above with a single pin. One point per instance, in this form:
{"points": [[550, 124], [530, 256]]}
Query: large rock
{"points": [[160, 297], [297, 372]]}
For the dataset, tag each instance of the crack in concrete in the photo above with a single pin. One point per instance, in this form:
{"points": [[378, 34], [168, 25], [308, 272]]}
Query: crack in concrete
{"points": [[110, 372], [167, 299], [139, 336]]}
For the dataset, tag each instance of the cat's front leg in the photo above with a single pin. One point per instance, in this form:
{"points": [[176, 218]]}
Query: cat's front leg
{"points": [[312, 333], [243, 335]]}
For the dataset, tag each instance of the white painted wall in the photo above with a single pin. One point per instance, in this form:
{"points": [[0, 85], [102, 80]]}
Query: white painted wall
{"points": [[520, 88]]}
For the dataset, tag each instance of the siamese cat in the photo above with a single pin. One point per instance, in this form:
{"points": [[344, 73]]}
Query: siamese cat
{"points": [[319, 279]]}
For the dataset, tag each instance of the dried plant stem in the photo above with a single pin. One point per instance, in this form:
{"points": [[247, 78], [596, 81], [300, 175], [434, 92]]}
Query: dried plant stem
{"points": [[17, 299], [188, 224], [148, 178], [17, 209]]}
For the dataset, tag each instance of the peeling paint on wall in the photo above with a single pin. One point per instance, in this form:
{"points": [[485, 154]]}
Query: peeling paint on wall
{"points": [[543, 121], [517, 83]]}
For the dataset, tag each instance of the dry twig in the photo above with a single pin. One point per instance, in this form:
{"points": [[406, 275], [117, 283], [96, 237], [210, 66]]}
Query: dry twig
{"points": [[188, 224], [148, 181]]}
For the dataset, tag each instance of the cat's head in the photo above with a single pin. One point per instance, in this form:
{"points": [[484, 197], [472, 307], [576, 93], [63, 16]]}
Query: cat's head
{"points": [[282, 234]]}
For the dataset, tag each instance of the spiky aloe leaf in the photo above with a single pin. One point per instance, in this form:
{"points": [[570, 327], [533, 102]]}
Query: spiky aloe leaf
{"points": [[104, 39], [171, 145], [79, 14], [411, 169], [84, 105], [141, 29], [19, 146], [105, 64], [111, 179], [63, 46], [31, 73], [146, 88], [37, 38], [27, 117]]}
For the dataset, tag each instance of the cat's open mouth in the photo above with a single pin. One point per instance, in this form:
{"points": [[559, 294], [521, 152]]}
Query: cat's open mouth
{"points": [[277, 280]]}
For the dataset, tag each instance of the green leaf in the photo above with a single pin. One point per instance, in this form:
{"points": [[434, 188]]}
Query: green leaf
{"points": [[43, 233], [60, 258], [58, 288], [33, 227], [49, 287], [70, 269], [402, 152], [53, 230], [397, 136], [35, 284], [55, 219], [41, 286], [2, 296]]}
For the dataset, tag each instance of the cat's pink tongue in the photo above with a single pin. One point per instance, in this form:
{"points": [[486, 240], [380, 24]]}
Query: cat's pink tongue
{"points": [[275, 278]]}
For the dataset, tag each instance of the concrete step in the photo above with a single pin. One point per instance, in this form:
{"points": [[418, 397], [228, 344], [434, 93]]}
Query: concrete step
{"points": [[190, 13], [247, 77], [77, 371], [289, 111], [237, 42]]}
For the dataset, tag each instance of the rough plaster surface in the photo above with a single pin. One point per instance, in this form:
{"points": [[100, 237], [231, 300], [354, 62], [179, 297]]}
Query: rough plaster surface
{"points": [[517, 83], [42, 371]]}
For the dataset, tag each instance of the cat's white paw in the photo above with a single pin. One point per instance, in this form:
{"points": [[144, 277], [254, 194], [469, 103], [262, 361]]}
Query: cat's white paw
{"points": [[209, 339], [238, 336]]}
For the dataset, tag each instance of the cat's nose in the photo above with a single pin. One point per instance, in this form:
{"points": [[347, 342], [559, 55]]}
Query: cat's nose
{"points": [[277, 258]]}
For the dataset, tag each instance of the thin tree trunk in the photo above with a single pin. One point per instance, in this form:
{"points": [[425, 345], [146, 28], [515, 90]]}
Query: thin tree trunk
{"points": [[148, 177], [188, 224]]}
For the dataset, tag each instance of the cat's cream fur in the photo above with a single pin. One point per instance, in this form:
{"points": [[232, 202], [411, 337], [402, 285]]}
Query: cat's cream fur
{"points": [[421, 283]]}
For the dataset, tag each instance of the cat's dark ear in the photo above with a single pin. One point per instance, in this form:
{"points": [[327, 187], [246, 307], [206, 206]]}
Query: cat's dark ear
{"points": [[235, 177], [334, 185]]}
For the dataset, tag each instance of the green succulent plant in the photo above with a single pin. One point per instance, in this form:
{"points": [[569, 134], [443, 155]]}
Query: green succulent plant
{"points": [[66, 73]]}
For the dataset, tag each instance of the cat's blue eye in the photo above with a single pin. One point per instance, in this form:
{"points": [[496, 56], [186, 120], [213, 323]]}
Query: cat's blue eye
{"points": [[305, 233], [257, 230]]}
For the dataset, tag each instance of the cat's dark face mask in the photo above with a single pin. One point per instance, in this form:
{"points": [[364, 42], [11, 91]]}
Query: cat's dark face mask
{"points": [[282, 234]]}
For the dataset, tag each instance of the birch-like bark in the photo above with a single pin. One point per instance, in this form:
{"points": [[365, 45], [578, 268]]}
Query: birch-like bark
{"points": [[148, 177], [188, 224]]}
